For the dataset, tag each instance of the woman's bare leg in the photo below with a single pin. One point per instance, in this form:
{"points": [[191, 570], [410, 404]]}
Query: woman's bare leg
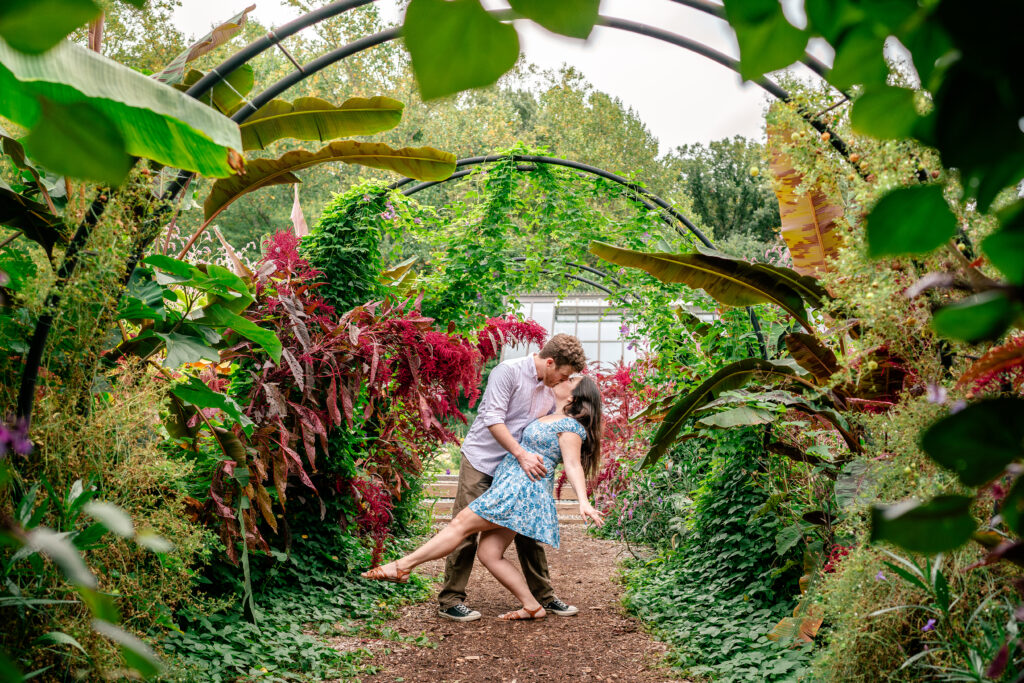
{"points": [[465, 523], [491, 551]]}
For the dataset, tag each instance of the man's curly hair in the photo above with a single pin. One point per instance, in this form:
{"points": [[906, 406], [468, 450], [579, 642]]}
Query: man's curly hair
{"points": [[565, 349]]}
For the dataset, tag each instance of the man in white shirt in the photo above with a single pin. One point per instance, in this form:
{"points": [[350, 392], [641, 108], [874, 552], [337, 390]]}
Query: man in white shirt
{"points": [[518, 392]]}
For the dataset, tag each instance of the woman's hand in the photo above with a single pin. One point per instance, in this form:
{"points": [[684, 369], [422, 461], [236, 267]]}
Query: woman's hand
{"points": [[588, 510]]}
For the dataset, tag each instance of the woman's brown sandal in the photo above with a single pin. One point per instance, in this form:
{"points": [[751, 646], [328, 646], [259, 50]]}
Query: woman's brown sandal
{"points": [[378, 574], [515, 616]]}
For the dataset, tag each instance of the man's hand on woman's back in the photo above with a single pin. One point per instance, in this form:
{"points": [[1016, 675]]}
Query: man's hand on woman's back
{"points": [[532, 464]]}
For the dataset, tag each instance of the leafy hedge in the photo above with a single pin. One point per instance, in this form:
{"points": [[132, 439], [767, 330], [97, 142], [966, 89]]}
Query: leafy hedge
{"points": [[717, 595]]}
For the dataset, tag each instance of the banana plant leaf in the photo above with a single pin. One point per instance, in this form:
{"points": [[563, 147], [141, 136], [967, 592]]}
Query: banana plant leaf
{"points": [[729, 281], [732, 376], [311, 118], [808, 218], [155, 122], [422, 163], [33, 219], [812, 355], [227, 94], [217, 36], [741, 416]]}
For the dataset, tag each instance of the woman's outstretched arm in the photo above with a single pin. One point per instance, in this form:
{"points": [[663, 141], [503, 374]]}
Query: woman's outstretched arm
{"points": [[570, 444]]}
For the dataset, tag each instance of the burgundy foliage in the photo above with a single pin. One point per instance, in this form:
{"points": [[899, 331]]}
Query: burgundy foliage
{"points": [[381, 367], [625, 391]]}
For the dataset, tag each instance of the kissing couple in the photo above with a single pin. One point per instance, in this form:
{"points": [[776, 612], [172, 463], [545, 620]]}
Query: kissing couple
{"points": [[533, 415]]}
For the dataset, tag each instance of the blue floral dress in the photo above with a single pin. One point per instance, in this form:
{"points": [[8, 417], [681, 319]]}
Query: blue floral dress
{"points": [[517, 503]]}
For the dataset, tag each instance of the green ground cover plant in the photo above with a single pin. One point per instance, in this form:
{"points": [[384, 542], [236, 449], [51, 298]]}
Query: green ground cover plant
{"points": [[715, 592]]}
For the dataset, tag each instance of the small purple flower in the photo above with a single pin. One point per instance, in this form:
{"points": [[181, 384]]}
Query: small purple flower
{"points": [[645, 236], [447, 470], [880, 576], [957, 406], [930, 626], [631, 346], [417, 220], [659, 499], [15, 439], [623, 328], [936, 393], [367, 197]]}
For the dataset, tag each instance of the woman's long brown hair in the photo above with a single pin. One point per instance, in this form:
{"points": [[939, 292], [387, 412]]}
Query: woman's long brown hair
{"points": [[585, 408]]}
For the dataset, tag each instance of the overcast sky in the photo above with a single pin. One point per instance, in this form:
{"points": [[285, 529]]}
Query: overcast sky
{"points": [[683, 98]]}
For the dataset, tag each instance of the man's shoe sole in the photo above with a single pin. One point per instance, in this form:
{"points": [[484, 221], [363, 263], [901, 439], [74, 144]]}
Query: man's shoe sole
{"points": [[445, 615]]}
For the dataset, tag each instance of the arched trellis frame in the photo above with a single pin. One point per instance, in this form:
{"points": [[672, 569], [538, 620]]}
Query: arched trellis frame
{"points": [[26, 394], [641, 194], [638, 192]]}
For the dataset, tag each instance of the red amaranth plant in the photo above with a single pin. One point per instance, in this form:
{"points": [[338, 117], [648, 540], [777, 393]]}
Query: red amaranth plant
{"points": [[625, 390], [500, 332], [407, 375], [374, 517]]}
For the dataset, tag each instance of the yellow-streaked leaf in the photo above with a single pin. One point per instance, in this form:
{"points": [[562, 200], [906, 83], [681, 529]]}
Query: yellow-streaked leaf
{"points": [[311, 118], [808, 218]]}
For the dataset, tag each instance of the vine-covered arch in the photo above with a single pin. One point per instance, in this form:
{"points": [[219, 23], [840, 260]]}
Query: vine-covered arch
{"points": [[274, 38]]}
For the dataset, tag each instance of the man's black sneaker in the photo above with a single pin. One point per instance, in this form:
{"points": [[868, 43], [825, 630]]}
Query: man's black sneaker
{"points": [[558, 607], [460, 612]]}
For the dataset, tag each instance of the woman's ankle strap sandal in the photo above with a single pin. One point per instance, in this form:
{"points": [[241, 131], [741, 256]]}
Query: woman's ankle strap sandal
{"points": [[378, 574], [516, 616]]}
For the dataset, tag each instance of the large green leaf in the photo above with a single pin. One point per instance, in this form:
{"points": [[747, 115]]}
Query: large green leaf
{"points": [[184, 348], [884, 112], [80, 141], [729, 281], [767, 40], [456, 45], [910, 220], [423, 163], [196, 393], [979, 441], [34, 26], [1005, 248], [228, 93], [220, 316], [32, 218], [154, 121], [732, 376], [741, 416], [573, 18], [941, 524], [981, 317], [218, 35], [859, 59], [311, 118]]}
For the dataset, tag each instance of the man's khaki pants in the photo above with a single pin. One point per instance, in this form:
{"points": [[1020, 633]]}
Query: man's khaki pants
{"points": [[459, 564]]}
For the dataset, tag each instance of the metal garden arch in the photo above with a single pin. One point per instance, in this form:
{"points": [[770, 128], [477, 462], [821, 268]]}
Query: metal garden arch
{"points": [[76, 243]]}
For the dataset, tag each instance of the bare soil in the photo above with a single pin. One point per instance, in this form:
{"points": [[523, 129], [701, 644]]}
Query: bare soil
{"points": [[601, 643]]}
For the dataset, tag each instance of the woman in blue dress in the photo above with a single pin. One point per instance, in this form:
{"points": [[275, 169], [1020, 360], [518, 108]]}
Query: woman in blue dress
{"points": [[516, 505]]}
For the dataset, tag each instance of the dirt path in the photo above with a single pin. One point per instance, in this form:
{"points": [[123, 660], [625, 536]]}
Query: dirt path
{"points": [[599, 644]]}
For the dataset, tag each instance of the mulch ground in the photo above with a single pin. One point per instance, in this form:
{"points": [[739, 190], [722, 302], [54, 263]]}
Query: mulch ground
{"points": [[601, 643]]}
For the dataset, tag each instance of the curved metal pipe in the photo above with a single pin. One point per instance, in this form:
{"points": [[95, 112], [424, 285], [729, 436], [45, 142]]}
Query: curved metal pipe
{"points": [[644, 196], [580, 266], [715, 10], [579, 166]]}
